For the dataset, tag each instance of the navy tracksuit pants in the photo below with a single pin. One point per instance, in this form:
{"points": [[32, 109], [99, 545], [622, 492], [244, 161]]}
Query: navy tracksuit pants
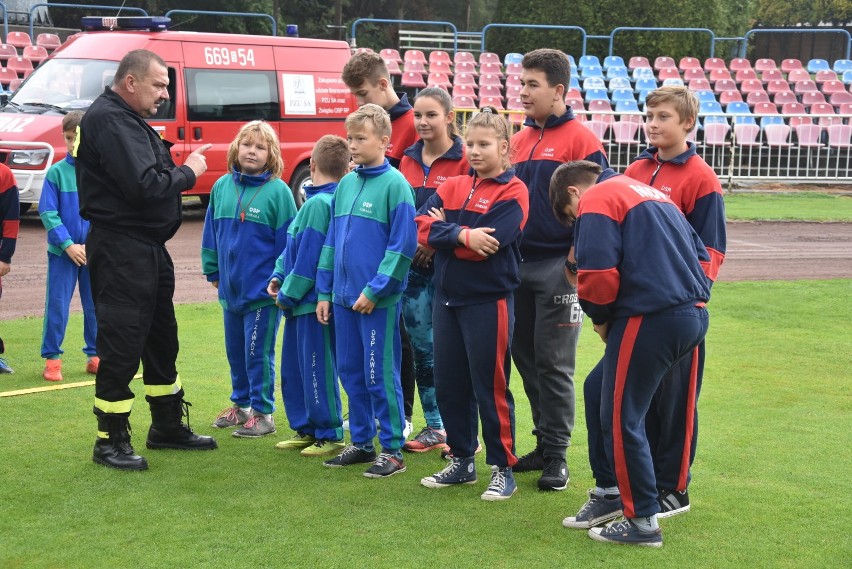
{"points": [[250, 347], [640, 351], [369, 355], [309, 378], [62, 277], [472, 368]]}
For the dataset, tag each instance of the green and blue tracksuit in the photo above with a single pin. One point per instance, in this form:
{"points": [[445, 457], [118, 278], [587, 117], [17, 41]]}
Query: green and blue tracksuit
{"points": [[59, 208], [244, 231], [310, 390], [371, 240]]}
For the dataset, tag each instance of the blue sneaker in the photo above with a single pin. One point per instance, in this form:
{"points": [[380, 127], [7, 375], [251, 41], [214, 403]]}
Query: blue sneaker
{"points": [[502, 485], [625, 532], [459, 471], [4, 367]]}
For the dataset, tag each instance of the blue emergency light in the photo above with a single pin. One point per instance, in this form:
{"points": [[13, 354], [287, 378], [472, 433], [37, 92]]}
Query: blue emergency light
{"points": [[138, 23]]}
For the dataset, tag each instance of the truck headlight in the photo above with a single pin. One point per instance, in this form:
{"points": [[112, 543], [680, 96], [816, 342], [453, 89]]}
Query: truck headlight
{"points": [[28, 157]]}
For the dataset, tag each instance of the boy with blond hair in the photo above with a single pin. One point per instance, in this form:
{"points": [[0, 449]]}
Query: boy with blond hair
{"points": [[310, 389], [362, 273]]}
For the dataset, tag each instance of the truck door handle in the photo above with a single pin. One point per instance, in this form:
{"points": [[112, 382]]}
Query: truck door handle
{"points": [[196, 133], [181, 133]]}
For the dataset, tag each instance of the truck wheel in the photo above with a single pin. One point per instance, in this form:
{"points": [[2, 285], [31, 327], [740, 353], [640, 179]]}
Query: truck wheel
{"points": [[300, 178], [25, 207]]}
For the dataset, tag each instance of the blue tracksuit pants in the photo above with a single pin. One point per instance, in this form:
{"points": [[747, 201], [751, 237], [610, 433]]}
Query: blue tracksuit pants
{"points": [[250, 347], [640, 351], [63, 275], [309, 378], [417, 314], [369, 355], [472, 368]]}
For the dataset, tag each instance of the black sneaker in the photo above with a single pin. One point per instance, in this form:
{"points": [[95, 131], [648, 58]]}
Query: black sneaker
{"points": [[598, 510], [625, 532], [555, 475], [531, 461], [385, 465], [349, 456], [672, 503]]}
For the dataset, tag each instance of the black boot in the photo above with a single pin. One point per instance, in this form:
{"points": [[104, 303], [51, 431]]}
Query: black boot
{"points": [[116, 451], [168, 429]]}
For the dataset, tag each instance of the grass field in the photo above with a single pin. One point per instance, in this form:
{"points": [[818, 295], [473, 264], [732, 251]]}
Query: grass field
{"points": [[771, 482], [800, 206]]}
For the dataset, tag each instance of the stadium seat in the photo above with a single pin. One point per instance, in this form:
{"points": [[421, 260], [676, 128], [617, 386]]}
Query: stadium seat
{"points": [[574, 83], [796, 75], [689, 63], [624, 132], [726, 97], [613, 61], [627, 107], [739, 113], [464, 79], [839, 136], [668, 73], [825, 114], [640, 98], [513, 58], [772, 75], [645, 85], [596, 94], [48, 41], [599, 105], [842, 65], [34, 53], [21, 66], [620, 83], [496, 102], [591, 71], [664, 62], [693, 73], [19, 39], [673, 81], [739, 63], [637, 61], [514, 104], [412, 79], [513, 91], [589, 61], [778, 86], [791, 64], [7, 76], [788, 109], [571, 61], [574, 101], [6, 52], [512, 80], [464, 91], [463, 57], [622, 95], [466, 67], [824, 75], [574, 93], [745, 75], [578, 107], [724, 85], [716, 134], [752, 86], [833, 86], [808, 135], [393, 67], [777, 135], [463, 102], [414, 66], [388, 54], [784, 97], [840, 98], [514, 69], [815, 65], [746, 134], [438, 80], [364, 50], [490, 91], [616, 72], [767, 120], [642, 73], [594, 83], [714, 63], [599, 128], [489, 57], [704, 95], [490, 79], [709, 108], [441, 67], [765, 109], [491, 69], [14, 84], [845, 109], [720, 75], [414, 55], [813, 98], [756, 97], [439, 55], [604, 118], [700, 85], [805, 87], [765, 64]]}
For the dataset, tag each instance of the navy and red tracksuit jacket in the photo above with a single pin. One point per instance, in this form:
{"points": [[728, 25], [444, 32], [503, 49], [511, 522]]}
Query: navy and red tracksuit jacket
{"points": [[403, 133], [694, 187], [9, 214], [537, 152], [625, 269], [426, 179], [462, 276]]}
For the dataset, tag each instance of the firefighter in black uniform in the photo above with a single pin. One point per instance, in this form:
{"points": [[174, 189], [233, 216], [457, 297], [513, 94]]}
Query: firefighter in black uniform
{"points": [[130, 191]]}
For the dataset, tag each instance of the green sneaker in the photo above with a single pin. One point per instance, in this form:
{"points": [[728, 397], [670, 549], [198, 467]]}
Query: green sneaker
{"points": [[298, 441], [322, 448]]}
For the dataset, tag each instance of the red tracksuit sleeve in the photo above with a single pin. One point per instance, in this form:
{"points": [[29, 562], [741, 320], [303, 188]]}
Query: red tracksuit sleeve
{"points": [[708, 219], [598, 249], [507, 216]]}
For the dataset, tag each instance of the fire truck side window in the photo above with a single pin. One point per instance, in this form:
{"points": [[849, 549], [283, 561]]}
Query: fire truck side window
{"points": [[232, 95]]}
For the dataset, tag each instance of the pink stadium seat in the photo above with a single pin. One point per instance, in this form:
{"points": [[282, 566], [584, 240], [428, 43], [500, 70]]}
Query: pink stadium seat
{"points": [[720, 75], [7, 76], [777, 135], [805, 87], [574, 93], [714, 63], [638, 61], [624, 132], [840, 98], [839, 136], [724, 85], [833, 86], [464, 79], [438, 55], [575, 102], [466, 67], [756, 97], [789, 65], [599, 105], [390, 54], [19, 39], [764, 64], [692, 73], [745, 134], [364, 50], [22, 66], [464, 91], [699, 85], [438, 80], [463, 102], [797, 75], [599, 128], [464, 57], [813, 98], [716, 133], [415, 66], [664, 62], [14, 84], [48, 41], [765, 109], [784, 97], [441, 67], [824, 75], [489, 79], [7, 51], [752, 86], [793, 108], [513, 80], [826, 115], [771, 75], [726, 97], [514, 104], [604, 118], [513, 91], [739, 63], [491, 69], [413, 79], [808, 135], [489, 57], [414, 55], [745, 75], [393, 67], [496, 102], [514, 69], [778, 86], [668, 73], [35, 53], [688, 63], [845, 109], [490, 91]]}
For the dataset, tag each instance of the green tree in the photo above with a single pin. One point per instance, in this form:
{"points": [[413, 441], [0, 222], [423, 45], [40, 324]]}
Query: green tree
{"points": [[835, 12]]}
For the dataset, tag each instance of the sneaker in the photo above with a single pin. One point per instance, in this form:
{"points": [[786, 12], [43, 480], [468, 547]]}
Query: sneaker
{"points": [[351, 455], [52, 370], [598, 510], [92, 365], [406, 431], [385, 465], [231, 417], [502, 485], [297, 441], [426, 440], [447, 454], [258, 425], [555, 475], [4, 367], [459, 471], [322, 448], [625, 532], [533, 460], [672, 503]]}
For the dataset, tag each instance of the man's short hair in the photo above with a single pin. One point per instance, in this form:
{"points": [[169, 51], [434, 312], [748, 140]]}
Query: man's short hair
{"points": [[362, 67], [136, 63], [555, 65], [580, 173], [373, 115], [682, 99], [71, 121], [331, 156]]}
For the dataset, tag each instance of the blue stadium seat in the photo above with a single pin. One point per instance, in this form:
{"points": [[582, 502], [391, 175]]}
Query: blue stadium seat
{"points": [[596, 94], [513, 58], [847, 76], [591, 71], [613, 61], [711, 120], [815, 65], [620, 83], [589, 61], [770, 119], [622, 95], [643, 73], [640, 98], [740, 112], [626, 106], [709, 108], [594, 83], [574, 83], [673, 81], [842, 65], [571, 60], [614, 72], [705, 96], [645, 84]]}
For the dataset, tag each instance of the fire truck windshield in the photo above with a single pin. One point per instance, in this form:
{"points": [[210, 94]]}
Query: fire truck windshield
{"points": [[66, 83]]}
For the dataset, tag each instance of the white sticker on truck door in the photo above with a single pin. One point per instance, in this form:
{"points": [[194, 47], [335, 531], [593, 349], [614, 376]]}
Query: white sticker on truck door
{"points": [[14, 124], [299, 95]]}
